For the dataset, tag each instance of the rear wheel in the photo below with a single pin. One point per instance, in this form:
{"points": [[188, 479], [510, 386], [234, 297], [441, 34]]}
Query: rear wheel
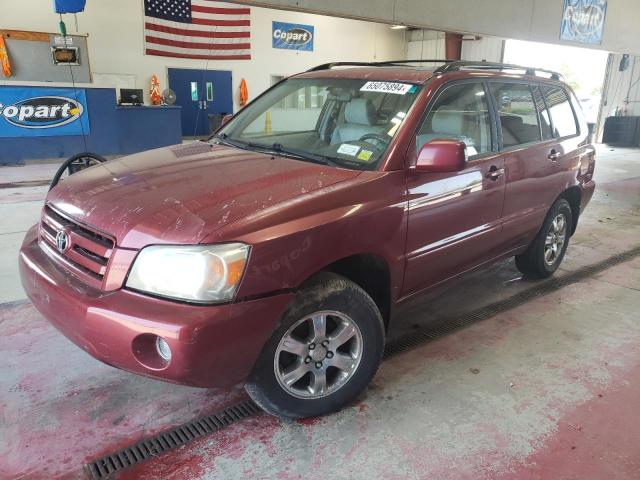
{"points": [[546, 252], [324, 353]]}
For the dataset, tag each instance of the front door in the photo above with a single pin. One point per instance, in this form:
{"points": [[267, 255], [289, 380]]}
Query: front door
{"points": [[200, 93], [455, 218]]}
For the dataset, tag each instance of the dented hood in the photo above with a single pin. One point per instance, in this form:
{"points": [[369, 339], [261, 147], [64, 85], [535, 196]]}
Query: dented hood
{"points": [[181, 194]]}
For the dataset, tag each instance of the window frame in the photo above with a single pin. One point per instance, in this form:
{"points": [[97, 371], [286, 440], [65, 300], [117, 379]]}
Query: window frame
{"points": [[492, 114], [536, 85], [573, 110]]}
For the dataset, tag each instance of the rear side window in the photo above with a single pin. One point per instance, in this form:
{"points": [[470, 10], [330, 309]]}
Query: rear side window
{"points": [[564, 121], [543, 113], [517, 112], [461, 112]]}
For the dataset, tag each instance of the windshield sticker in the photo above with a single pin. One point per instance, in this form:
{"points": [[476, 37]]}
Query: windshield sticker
{"points": [[387, 87], [348, 149], [365, 155]]}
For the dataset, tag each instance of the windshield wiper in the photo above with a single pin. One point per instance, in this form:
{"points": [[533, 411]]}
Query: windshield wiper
{"points": [[227, 140], [279, 149]]}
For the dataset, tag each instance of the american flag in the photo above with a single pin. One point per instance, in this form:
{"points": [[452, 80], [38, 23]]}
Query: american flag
{"points": [[197, 29]]}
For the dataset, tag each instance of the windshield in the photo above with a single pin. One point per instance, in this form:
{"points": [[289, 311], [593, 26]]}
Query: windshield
{"points": [[343, 122]]}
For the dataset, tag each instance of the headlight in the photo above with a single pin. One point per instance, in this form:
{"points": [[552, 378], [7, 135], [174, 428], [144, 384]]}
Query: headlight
{"points": [[200, 273]]}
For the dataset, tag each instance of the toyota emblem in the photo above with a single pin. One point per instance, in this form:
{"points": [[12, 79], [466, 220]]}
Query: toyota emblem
{"points": [[62, 241]]}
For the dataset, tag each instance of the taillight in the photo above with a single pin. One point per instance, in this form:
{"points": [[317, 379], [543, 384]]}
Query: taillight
{"points": [[588, 165]]}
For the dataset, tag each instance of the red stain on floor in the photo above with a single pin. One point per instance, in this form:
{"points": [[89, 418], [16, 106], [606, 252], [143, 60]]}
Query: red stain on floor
{"points": [[60, 408], [597, 440]]}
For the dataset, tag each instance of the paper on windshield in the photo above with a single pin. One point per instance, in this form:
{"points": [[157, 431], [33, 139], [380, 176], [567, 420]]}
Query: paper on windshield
{"points": [[348, 149]]}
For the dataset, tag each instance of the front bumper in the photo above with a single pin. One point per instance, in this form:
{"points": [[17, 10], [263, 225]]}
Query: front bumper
{"points": [[211, 345]]}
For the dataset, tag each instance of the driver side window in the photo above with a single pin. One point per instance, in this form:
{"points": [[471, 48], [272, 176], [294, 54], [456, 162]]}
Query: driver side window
{"points": [[461, 112]]}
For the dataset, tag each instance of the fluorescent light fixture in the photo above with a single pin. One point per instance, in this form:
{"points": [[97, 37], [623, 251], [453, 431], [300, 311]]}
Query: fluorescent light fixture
{"points": [[398, 27]]}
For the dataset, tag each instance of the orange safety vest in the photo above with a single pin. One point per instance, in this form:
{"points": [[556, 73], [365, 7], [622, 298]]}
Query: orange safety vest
{"points": [[4, 58], [244, 93]]}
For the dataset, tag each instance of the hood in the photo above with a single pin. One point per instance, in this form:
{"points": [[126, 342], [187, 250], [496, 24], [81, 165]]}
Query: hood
{"points": [[182, 194]]}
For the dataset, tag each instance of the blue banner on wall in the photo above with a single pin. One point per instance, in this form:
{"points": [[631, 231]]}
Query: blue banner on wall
{"points": [[292, 36], [43, 112], [583, 21]]}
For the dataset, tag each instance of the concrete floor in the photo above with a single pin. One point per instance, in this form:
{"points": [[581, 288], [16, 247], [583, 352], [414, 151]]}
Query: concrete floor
{"points": [[545, 390]]}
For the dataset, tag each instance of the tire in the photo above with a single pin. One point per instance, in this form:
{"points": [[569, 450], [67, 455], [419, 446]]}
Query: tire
{"points": [[540, 260], [347, 367], [76, 163]]}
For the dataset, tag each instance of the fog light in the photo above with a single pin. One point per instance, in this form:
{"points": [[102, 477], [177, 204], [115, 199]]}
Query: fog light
{"points": [[163, 349]]}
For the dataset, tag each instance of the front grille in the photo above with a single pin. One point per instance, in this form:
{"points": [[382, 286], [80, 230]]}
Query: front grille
{"points": [[88, 251]]}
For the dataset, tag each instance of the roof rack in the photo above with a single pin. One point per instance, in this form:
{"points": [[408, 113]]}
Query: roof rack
{"points": [[461, 64], [446, 66], [387, 63]]}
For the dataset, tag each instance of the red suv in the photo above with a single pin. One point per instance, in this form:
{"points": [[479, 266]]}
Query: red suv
{"points": [[276, 252]]}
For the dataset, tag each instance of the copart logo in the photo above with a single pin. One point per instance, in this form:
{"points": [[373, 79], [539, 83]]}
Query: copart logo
{"points": [[42, 112], [295, 36], [584, 20]]}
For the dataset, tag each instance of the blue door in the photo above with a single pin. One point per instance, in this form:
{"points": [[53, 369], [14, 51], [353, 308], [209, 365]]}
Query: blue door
{"points": [[200, 93]]}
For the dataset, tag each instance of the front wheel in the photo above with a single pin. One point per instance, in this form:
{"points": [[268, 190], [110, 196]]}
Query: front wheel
{"points": [[323, 354], [547, 250]]}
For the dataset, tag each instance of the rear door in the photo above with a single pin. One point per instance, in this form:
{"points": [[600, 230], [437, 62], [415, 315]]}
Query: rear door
{"points": [[526, 140], [538, 154], [454, 218]]}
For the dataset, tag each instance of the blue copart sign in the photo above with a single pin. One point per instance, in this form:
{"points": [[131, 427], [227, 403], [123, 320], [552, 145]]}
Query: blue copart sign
{"points": [[292, 36], [43, 112]]}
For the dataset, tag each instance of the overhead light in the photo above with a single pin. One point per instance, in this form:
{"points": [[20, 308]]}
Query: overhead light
{"points": [[398, 27]]}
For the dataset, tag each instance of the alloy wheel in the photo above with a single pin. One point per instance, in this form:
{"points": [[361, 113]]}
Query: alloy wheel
{"points": [[554, 241], [318, 354]]}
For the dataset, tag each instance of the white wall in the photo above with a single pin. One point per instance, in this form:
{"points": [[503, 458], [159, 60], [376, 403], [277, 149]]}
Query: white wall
{"points": [[490, 49], [623, 88], [534, 20], [425, 44], [115, 29]]}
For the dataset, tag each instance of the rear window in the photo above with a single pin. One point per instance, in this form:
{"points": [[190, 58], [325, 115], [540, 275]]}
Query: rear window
{"points": [[562, 116], [518, 114]]}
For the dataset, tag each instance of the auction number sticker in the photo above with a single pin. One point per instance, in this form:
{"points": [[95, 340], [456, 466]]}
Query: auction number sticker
{"points": [[387, 87], [348, 149]]}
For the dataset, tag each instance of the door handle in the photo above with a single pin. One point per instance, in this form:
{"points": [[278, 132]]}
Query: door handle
{"points": [[494, 173], [554, 155]]}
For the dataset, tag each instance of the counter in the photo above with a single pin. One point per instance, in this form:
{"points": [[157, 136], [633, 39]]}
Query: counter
{"points": [[46, 120]]}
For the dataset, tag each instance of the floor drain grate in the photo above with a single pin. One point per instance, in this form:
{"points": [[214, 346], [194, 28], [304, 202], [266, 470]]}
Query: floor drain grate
{"points": [[108, 466], [415, 339]]}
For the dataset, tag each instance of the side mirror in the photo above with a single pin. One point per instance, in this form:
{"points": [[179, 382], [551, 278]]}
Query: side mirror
{"points": [[442, 155], [226, 118]]}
